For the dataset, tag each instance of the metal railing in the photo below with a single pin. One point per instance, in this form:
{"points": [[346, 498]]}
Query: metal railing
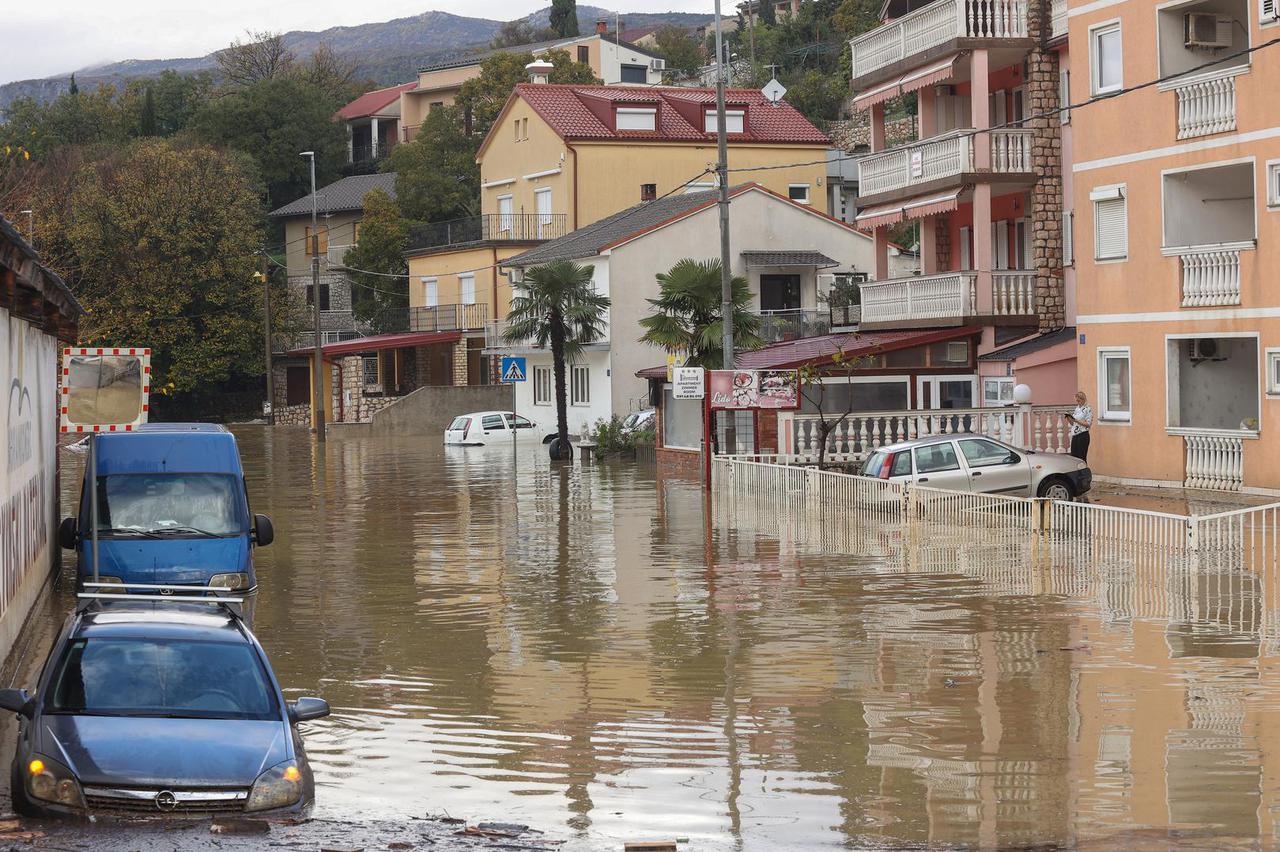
{"points": [[495, 331], [777, 326], [448, 317], [1207, 104], [1210, 274], [1041, 428], [942, 157], [518, 227], [934, 25]]}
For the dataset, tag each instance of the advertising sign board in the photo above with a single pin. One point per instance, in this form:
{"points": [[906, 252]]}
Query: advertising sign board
{"points": [[688, 383], [755, 389]]}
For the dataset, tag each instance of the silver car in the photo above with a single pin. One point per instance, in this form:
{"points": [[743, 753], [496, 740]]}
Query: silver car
{"points": [[981, 465]]}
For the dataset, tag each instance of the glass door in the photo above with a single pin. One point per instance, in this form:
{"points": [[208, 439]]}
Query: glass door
{"points": [[946, 391]]}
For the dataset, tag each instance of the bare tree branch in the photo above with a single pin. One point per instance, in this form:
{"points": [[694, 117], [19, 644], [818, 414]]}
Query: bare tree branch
{"points": [[262, 57]]}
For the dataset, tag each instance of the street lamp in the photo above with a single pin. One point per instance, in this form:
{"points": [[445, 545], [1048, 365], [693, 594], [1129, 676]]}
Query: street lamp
{"points": [[317, 373]]}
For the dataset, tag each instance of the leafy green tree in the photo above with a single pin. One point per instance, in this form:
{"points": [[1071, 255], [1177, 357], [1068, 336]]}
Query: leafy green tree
{"points": [[485, 95], [164, 240], [73, 89], [272, 120], [816, 95], [557, 305], [855, 17], [518, 32], [681, 50], [564, 17], [687, 314], [175, 99], [436, 174], [147, 121], [79, 118], [380, 300]]}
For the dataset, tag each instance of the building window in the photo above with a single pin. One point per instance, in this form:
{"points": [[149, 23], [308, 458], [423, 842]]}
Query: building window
{"points": [[505, 210], [636, 118], [1106, 58], [542, 203], [1113, 384], [798, 192], [297, 386], [467, 284], [430, 292], [1269, 11], [735, 121], [324, 296], [1273, 372], [1068, 238], [635, 74], [779, 293], [543, 384], [370, 365], [1110, 223], [997, 392], [323, 234], [1273, 180], [648, 191], [584, 54], [579, 385]]}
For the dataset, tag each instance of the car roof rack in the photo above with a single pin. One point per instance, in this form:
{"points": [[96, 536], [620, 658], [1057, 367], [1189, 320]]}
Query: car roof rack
{"points": [[168, 593]]}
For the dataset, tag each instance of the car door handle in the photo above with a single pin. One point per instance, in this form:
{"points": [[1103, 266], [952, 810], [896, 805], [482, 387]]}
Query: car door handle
{"points": [[923, 479], [977, 473]]}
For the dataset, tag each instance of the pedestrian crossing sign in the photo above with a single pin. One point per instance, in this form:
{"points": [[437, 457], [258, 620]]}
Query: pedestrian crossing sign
{"points": [[513, 370]]}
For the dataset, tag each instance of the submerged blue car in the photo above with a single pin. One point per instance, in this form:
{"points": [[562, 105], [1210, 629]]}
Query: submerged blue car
{"points": [[156, 706], [172, 509]]}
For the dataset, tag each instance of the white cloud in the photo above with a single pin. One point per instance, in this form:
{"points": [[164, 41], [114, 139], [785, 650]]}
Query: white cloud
{"points": [[47, 37]]}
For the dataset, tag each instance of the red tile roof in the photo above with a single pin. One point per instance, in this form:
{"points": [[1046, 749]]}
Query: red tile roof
{"points": [[378, 342], [371, 102], [586, 112]]}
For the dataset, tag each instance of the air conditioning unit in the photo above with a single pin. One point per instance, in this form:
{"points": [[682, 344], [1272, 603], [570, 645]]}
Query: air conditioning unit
{"points": [[1205, 349], [657, 65], [1207, 30]]}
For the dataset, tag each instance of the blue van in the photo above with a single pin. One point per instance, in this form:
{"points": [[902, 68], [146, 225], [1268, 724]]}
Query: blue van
{"points": [[172, 509]]}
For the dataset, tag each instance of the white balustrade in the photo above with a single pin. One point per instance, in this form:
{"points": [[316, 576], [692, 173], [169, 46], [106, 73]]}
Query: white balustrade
{"points": [[1207, 105], [1210, 274], [936, 24], [1041, 428], [1011, 150], [1013, 293], [939, 158], [948, 296], [1214, 460], [1057, 18]]}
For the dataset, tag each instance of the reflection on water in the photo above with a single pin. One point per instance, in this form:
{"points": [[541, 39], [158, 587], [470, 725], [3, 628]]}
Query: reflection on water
{"points": [[596, 654]]}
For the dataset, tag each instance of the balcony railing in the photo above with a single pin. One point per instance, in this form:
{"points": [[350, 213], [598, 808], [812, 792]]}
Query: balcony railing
{"points": [[1210, 274], [951, 296], [448, 318], [1057, 18], [494, 340], [1215, 459], [845, 316], [1207, 104], [943, 157], [777, 326], [523, 227], [934, 25]]}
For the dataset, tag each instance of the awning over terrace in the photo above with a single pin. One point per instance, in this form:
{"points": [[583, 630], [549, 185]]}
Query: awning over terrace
{"points": [[912, 208], [377, 342], [795, 257], [915, 79]]}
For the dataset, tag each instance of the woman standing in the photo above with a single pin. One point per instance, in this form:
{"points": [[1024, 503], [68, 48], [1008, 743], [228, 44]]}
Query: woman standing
{"points": [[1080, 419]]}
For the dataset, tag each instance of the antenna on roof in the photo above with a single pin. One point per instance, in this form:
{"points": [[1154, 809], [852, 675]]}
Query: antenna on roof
{"points": [[773, 90]]}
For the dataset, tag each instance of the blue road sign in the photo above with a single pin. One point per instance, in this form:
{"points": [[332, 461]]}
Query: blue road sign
{"points": [[513, 370]]}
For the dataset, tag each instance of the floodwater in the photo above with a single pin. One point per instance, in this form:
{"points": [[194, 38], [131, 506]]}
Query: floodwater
{"points": [[590, 651]]}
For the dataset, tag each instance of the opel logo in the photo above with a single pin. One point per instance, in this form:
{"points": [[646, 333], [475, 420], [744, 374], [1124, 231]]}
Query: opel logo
{"points": [[166, 801], [166, 593]]}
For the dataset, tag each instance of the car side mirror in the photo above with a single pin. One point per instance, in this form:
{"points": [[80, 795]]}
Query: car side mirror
{"points": [[306, 709], [69, 533], [17, 700], [263, 532]]}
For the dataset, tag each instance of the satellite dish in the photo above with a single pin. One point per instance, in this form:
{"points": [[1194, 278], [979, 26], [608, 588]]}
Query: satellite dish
{"points": [[773, 91]]}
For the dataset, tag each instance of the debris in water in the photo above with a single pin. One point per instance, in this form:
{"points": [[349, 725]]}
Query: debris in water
{"points": [[650, 846], [240, 826]]}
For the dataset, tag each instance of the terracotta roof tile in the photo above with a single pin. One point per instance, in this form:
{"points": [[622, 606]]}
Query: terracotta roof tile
{"points": [[371, 102]]}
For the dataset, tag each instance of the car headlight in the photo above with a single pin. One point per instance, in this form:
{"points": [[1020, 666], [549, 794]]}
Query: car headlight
{"points": [[50, 781], [279, 786], [229, 581]]}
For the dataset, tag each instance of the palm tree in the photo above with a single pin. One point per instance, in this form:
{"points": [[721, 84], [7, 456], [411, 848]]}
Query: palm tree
{"points": [[686, 315], [557, 305]]}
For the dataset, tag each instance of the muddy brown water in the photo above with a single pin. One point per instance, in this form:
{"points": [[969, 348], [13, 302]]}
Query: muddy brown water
{"points": [[590, 653]]}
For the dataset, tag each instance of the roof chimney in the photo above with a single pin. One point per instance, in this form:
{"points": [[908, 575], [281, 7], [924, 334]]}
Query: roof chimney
{"points": [[602, 26], [539, 71]]}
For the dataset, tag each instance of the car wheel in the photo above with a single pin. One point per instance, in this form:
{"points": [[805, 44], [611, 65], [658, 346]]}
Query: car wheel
{"points": [[1056, 488]]}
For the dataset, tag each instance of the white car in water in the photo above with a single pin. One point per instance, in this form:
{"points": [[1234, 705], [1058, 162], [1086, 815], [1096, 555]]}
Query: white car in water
{"points": [[482, 428]]}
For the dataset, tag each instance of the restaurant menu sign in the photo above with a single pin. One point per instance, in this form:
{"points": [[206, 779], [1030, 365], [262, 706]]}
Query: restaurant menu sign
{"points": [[755, 389]]}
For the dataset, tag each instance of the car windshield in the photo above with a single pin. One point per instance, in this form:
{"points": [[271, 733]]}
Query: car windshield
{"points": [[177, 679], [179, 504]]}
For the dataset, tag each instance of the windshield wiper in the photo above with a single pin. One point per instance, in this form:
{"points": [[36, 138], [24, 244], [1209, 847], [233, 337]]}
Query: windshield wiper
{"points": [[127, 531], [181, 528]]}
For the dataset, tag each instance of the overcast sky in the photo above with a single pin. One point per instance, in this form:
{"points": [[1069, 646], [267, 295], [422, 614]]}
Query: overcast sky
{"points": [[42, 38]]}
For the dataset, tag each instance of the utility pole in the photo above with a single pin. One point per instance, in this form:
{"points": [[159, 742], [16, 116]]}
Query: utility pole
{"points": [[722, 172], [265, 276], [317, 366]]}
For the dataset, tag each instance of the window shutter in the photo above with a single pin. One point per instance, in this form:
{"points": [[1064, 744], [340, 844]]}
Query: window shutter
{"points": [[966, 262], [1068, 237], [1110, 229], [1269, 10], [1064, 92]]}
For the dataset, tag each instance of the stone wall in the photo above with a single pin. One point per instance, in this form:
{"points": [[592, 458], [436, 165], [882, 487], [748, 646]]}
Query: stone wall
{"points": [[1046, 161], [428, 410], [855, 134]]}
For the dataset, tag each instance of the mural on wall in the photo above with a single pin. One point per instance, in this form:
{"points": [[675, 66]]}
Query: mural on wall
{"points": [[28, 369]]}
